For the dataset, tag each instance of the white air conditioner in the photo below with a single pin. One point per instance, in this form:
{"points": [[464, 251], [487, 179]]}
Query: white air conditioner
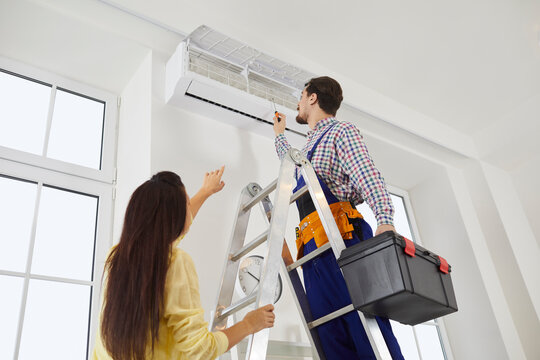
{"points": [[223, 79]]}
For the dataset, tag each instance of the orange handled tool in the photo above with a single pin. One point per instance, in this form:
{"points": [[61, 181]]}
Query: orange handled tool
{"points": [[275, 111]]}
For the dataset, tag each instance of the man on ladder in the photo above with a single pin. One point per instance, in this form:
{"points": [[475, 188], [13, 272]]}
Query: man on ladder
{"points": [[347, 176]]}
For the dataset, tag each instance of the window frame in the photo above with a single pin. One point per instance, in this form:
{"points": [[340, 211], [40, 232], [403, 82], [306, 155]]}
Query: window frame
{"points": [[439, 322], [46, 171], [110, 126]]}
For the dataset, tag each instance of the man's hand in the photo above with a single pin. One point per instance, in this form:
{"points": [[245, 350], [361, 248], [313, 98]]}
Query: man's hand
{"points": [[384, 227], [279, 126], [212, 182]]}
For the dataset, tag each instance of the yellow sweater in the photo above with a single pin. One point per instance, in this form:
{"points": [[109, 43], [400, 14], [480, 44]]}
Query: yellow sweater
{"points": [[183, 333]]}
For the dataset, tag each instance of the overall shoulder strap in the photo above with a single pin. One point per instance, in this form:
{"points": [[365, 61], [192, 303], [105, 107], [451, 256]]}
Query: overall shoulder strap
{"points": [[310, 152]]}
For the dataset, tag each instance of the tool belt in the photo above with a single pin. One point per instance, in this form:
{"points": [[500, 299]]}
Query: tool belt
{"points": [[311, 226]]}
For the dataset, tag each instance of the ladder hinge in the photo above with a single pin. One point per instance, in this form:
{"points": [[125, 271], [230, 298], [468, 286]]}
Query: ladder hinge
{"points": [[118, 101]]}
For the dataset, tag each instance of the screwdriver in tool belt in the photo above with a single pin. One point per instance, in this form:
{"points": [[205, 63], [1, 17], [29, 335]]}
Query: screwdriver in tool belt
{"points": [[275, 111]]}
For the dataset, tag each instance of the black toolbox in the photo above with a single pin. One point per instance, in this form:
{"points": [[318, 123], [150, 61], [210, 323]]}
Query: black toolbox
{"points": [[391, 276]]}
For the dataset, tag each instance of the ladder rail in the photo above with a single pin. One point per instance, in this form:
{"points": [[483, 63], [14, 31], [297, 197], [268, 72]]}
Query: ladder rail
{"points": [[277, 248], [375, 336], [369, 322], [292, 277], [323, 209], [269, 276], [230, 268]]}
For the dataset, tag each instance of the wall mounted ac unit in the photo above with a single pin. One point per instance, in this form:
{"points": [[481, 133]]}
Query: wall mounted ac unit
{"points": [[223, 79]]}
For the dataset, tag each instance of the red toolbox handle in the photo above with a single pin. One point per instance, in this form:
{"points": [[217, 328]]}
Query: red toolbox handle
{"points": [[409, 247], [444, 265]]}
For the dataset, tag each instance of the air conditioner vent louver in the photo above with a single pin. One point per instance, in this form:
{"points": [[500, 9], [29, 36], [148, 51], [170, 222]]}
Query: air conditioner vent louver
{"points": [[226, 80], [238, 112], [231, 75]]}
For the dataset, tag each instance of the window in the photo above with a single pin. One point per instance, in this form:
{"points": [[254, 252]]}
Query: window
{"points": [[421, 341], [22, 127], [56, 124], [56, 185], [76, 129]]}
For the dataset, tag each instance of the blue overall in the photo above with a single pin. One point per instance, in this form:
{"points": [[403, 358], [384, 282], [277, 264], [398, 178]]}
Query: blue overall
{"points": [[343, 338]]}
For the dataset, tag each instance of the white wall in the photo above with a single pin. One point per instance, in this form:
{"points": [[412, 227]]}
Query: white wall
{"points": [[190, 145], [526, 178], [134, 139], [66, 43], [496, 293], [473, 332]]}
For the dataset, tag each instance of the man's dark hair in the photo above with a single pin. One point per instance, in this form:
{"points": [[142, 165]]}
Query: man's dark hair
{"points": [[328, 93]]}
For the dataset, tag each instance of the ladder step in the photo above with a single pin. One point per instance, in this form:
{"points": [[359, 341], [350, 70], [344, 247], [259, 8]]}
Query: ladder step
{"points": [[309, 256], [304, 189], [264, 192], [248, 300], [331, 316], [250, 246]]}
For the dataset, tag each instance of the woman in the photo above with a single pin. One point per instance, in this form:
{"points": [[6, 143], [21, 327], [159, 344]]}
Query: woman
{"points": [[152, 307]]}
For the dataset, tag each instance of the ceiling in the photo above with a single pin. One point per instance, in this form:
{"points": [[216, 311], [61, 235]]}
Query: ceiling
{"points": [[452, 72], [466, 64]]}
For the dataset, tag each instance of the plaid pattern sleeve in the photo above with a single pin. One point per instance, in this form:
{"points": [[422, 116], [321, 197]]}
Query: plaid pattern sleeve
{"points": [[354, 160], [282, 145]]}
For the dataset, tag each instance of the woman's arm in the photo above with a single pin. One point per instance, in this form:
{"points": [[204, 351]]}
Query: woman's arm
{"points": [[211, 184], [184, 314]]}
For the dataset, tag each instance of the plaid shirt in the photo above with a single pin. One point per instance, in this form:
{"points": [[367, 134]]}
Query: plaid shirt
{"points": [[342, 161]]}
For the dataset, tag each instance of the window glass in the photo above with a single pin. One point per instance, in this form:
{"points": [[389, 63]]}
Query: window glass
{"points": [[11, 289], [405, 336], [366, 212], [65, 234], [429, 342], [76, 130], [17, 204], [401, 221], [24, 107], [55, 321], [426, 335]]}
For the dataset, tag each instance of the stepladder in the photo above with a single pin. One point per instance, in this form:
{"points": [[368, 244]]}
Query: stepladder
{"points": [[278, 257]]}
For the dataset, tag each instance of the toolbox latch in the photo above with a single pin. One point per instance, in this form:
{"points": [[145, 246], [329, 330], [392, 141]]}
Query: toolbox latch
{"points": [[444, 265], [409, 247]]}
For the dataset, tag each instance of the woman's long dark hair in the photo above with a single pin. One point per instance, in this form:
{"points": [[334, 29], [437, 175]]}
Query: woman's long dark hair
{"points": [[137, 267]]}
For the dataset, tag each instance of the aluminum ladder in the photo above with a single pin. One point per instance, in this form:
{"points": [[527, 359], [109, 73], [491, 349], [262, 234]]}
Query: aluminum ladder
{"points": [[278, 255]]}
